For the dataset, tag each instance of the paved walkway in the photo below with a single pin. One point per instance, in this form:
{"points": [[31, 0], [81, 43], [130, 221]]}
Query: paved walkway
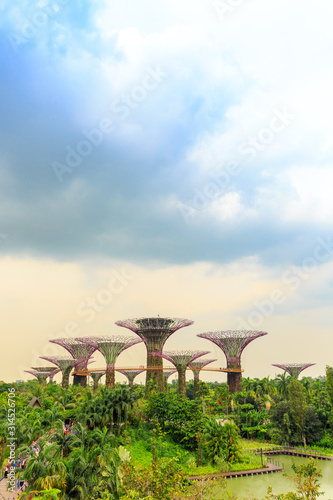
{"points": [[4, 493]]}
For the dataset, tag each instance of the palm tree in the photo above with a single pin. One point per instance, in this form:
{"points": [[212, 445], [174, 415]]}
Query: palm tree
{"points": [[282, 382]]}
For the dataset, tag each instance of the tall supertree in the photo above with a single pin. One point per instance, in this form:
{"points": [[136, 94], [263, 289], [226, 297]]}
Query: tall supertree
{"points": [[232, 343], [65, 364], [154, 332], [50, 369], [181, 360], [294, 369], [96, 376], [41, 376], [77, 350], [110, 347], [196, 368], [130, 374]]}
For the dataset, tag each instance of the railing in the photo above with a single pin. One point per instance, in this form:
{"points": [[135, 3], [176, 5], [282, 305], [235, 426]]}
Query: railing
{"points": [[265, 460], [292, 449], [274, 461]]}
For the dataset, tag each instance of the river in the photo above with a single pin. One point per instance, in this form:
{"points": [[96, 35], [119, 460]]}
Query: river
{"points": [[256, 486]]}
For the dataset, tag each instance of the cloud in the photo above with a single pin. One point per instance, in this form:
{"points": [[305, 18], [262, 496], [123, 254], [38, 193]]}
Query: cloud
{"points": [[222, 82]]}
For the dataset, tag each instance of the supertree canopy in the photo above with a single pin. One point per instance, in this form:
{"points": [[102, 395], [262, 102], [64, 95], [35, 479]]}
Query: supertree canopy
{"points": [[96, 376], [154, 332], [181, 360], [77, 350], [130, 374], [50, 369], [232, 343], [110, 347], [40, 375], [43, 368], [196, 367], [65, 364], [294, 369]]}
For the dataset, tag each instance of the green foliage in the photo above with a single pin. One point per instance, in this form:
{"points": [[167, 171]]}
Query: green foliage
{"points": [[179, 417], [326, 441], [220, 441], [298, 406]]}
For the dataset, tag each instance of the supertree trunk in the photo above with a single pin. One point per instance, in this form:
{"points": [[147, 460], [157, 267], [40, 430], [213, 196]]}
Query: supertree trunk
{"points": [[182, 380], [80, 380], [110, 375], [234, 380], [155, 374], [196, 374], [65, 377]]}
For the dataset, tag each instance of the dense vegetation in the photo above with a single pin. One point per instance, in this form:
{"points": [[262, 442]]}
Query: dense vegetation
{"points": [[126, 444]]}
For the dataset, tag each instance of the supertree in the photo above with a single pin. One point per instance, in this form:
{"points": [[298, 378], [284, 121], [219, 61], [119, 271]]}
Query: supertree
{"points": [[167, 372], [130, 374], [110, 347], [77, 350], [232, 343], [40, 375], [52, 374], [65, 364], [294, 369], [96, 376], [50, 369], [154, 332], [181, 360], [196, 367]]}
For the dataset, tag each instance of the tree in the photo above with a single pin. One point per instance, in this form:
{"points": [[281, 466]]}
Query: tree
{"points": [[329, 388], [282, 382], [221, 441], [298, 406]]}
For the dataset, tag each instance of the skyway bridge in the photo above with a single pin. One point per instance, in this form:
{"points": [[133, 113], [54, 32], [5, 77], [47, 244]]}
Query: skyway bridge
{"points": [[91, 370]]}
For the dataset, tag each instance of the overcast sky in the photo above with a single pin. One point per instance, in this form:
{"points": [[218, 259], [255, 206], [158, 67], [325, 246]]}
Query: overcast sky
{"points": [[171, 158]]}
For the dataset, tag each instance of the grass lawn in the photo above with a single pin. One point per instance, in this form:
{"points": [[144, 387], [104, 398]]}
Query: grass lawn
{"points": [[142, 455]]}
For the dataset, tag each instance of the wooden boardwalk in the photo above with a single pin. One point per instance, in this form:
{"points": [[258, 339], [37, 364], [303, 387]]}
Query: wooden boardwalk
{"points": [[290, 450], [240, 473]]}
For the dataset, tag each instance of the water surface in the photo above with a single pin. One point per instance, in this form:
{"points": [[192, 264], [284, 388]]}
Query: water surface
{"points": [[256, 486]]}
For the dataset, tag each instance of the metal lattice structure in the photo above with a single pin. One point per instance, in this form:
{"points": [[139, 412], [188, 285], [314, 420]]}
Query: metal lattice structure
{"points": [[65, 364], [130, 374], [181, 360], [232, 343], [294, 369], [77, 350], [40, 375], [154, 332], [96, 376], [43, 368], [110, 347], [196, 367]]}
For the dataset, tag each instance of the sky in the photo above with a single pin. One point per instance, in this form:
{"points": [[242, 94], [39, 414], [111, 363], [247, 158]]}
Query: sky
{"points": [[168, 158]]}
